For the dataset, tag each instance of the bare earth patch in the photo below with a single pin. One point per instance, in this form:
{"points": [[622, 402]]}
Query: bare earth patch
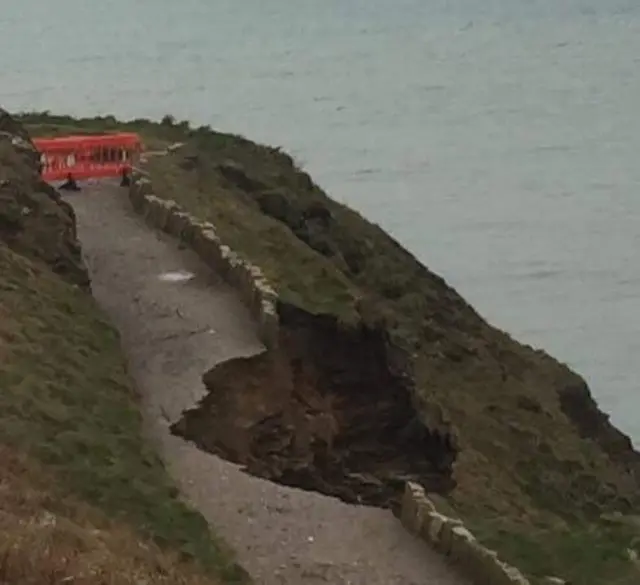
{"points": [[326, 412]]}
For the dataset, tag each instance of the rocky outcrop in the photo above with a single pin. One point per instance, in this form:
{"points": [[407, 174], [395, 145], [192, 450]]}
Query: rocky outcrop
{"points": [[34, 220]]}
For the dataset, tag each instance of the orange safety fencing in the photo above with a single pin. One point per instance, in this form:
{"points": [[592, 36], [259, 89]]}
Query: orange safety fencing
{"points": [[84, 157]]}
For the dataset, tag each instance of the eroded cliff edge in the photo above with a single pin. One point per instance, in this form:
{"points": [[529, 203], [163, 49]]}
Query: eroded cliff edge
{"points": [[513, 419]]}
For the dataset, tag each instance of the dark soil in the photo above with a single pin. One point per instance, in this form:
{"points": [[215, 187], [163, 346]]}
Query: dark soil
{"points": [[331, 411]]}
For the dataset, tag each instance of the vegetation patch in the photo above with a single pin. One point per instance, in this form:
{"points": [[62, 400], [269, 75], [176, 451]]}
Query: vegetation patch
{"points": [[49, 538]]}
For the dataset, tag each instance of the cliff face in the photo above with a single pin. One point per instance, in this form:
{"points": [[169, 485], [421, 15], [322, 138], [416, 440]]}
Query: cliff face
{"points": [[34, 221], [523, 429]]}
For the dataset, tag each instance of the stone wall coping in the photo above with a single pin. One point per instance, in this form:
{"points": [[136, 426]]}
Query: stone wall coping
{"points": [[254, 290], [450, 537]]}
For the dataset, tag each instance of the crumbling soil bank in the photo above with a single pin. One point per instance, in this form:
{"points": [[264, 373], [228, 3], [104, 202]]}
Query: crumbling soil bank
{"points": [[330, 411]]}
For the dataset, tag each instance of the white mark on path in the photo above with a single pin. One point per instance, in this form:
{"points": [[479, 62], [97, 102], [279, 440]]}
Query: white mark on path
{"points": [[176, 276]]}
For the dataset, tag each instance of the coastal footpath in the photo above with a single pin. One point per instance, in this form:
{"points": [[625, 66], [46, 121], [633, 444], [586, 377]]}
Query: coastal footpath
{"points": [[379, 373]]}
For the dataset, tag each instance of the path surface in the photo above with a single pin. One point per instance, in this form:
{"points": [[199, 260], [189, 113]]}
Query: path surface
{"points": [[172, 332]]}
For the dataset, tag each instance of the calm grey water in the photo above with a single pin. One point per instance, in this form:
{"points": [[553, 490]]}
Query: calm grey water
{"points": [[499, 140]]}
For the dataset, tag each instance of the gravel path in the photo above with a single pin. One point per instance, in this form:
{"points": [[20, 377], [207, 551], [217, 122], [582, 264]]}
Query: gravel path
{"points": [[172, 332]]}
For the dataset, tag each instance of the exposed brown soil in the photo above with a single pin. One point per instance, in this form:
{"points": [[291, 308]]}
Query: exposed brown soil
{"points": [[330, 411]]}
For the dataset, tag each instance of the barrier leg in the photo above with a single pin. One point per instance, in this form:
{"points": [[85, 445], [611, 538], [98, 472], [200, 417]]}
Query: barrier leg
{"points": [[70, 184], [125, 179]]}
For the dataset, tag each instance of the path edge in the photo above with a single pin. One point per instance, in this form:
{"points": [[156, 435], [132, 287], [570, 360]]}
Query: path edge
{"points": [[247, 279]]}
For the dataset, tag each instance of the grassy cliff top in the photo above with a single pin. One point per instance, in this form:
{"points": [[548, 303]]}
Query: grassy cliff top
{"points": [[538, 466]]}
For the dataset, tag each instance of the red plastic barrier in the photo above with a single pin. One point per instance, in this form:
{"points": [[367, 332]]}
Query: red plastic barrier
{"points": [[85, 157]]}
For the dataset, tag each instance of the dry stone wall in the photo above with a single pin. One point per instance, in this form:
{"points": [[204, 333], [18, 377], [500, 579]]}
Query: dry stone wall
{"points": [[253, 288], [450, 537]]}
